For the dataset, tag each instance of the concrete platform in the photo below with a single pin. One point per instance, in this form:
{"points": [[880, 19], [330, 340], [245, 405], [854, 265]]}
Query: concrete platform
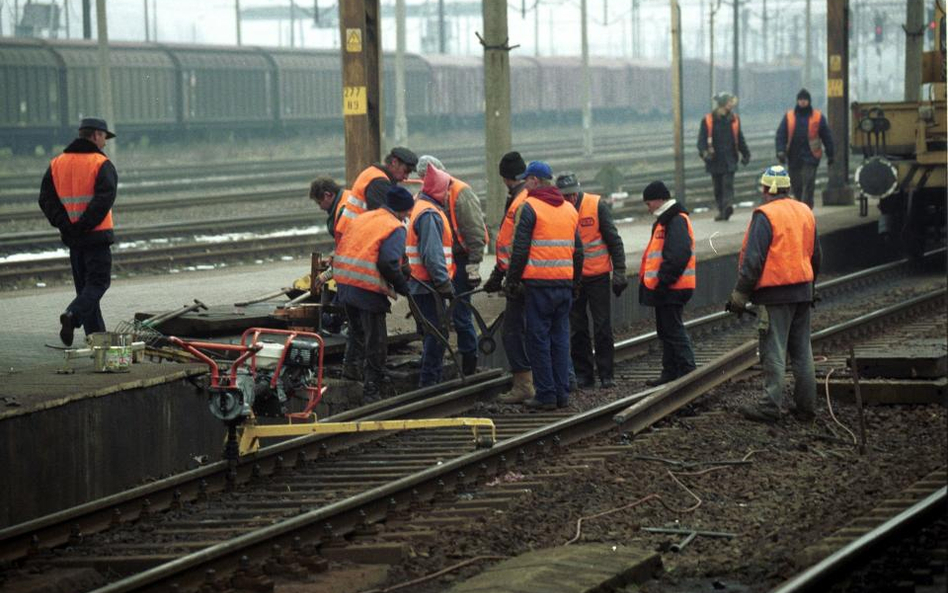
{"points": [[583, 568]]}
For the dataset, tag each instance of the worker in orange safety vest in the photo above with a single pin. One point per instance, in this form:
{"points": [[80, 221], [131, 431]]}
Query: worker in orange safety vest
{"points": [[801, 138], [721, 143], [372, 184]]}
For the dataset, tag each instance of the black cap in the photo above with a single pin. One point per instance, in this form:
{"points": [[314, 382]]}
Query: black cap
{"points": [[405, 155], [94, 123], [804, 94], [568, 183], [655, 190], [399, 199], [512, 165]]}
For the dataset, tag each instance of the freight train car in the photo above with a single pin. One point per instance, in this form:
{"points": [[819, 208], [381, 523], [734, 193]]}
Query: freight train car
{"points": [[178, 90]]}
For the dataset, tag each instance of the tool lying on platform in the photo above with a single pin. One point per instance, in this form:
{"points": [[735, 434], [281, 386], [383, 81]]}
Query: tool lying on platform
{"points": [[268, 373], [146, 330]]}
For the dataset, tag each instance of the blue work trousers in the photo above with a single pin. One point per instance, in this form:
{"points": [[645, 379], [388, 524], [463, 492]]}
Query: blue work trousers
{"points": [[678, 355], [432, 349], [785, 330], [92, 275], [514, 333], [462, 320], [547, 318]]}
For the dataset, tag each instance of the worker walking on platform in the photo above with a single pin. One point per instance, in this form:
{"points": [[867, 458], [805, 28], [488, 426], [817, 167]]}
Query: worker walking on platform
{"points": [[512, 170], [667, 279], [431, 260], [603, 253], [77, 194], [368, 270], [546, 267], [779, 262], [463, 209], [721, 143], [801, 137], [372, 185]]}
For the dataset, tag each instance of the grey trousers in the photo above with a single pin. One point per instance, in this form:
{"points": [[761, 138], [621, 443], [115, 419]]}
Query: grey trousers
{"points": [[803, 182], [723, 190], [785, 330]]}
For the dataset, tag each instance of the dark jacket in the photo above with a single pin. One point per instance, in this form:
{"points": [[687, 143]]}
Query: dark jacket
{"points": [[526, 220], [725, 156], [610, 236], [377, 188], [80, 233], [332, 217], [675, 255], [390, 267], [759, 236], [800, 152]]}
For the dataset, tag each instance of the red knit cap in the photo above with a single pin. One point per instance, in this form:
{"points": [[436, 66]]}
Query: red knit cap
{"points": [[436, 184]]}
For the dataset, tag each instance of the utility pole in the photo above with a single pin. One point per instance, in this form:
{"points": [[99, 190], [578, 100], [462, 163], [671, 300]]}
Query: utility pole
{"points": [[536, 29], [808, 61], [837, 190], [735, 72], [676, 102], [714, 11], [635, 29], [147, 26], [914, 38], [361, 84], [86, 19], [496, 103], [442, 44], [292, 24], [154, 20], [401, 119], [587, 83], [237, 15], [744, 27], [105, 76], [765, 33], [65, 11]]}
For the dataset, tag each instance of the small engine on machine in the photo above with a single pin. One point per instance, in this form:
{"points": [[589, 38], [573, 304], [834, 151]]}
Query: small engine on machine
{"points": [[283, 372]]}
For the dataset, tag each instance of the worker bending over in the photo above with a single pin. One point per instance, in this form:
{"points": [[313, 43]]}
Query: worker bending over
{"points": [[372, 185]]}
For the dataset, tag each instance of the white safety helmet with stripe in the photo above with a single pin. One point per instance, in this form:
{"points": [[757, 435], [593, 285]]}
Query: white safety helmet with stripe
{"points": [[775, 178]]}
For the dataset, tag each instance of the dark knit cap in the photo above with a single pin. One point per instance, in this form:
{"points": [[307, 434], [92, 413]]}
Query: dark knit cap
{"points": [[804, 94], [399, 199], [512, 165], [655, 190]]}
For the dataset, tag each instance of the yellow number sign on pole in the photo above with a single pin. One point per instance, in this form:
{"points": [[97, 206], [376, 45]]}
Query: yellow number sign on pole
{"points": [[354, 100]]}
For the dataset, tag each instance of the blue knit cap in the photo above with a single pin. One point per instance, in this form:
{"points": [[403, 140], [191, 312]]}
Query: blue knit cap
{"points": [[399, 199]]}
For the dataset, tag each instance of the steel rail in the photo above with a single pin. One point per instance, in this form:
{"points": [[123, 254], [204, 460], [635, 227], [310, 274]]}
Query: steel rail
{"points": [[823, 574], [376, 504]]}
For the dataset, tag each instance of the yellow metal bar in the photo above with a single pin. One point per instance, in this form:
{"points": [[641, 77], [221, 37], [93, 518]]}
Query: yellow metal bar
{"points": [[252, 432]]}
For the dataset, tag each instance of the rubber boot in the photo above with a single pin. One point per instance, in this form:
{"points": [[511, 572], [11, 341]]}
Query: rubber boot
{"points": [[469, 363], [522, 390]]}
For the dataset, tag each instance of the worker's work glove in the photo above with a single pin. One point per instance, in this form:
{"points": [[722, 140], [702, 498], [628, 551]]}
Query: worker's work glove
{"points": [[619, 283], [782, 157], [737, 303], [473, 275], [323, 278], [445, 290], [496, 281], [745, 159], [513, 290], [708, 155], [405, 269]]}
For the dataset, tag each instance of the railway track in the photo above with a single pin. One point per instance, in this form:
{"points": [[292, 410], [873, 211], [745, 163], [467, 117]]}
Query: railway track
{"points": [[297, 495]]}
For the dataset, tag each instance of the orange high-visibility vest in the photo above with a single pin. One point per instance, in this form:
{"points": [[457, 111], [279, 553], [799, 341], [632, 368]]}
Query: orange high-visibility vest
{"points": [[357, 256], [344, 214], [553, 242], [418, 269], [506, 232], [791, 249], [74, 178], [812, 131], [454, 190], [357, 196], [652, 260], [735, 129], [596, 258]]}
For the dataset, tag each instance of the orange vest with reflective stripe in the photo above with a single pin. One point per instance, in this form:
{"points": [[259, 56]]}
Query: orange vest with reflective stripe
{"points": [[652, 260], [791, 249], [344, 214], [74, 178], [596, 258], [454, 190], [506, 232], [812, 131], [357, 255], [418, 269], [357, 197], [553, 242], [735, 129]]}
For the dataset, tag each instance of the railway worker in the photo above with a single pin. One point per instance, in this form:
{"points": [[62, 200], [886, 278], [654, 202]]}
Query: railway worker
{"points": [[431, 261], [463, 209], [333, 198], [367, 269], [546, 267], [372, 185], [76, 195], [801, 137], [603, 253], [512, 170], [667, 279], [721, 143], [779, 263]]}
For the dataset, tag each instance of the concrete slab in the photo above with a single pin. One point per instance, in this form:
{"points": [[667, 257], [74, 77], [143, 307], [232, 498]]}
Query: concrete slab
{"points": [[892, 391], [568, 569], [922, 359]]}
